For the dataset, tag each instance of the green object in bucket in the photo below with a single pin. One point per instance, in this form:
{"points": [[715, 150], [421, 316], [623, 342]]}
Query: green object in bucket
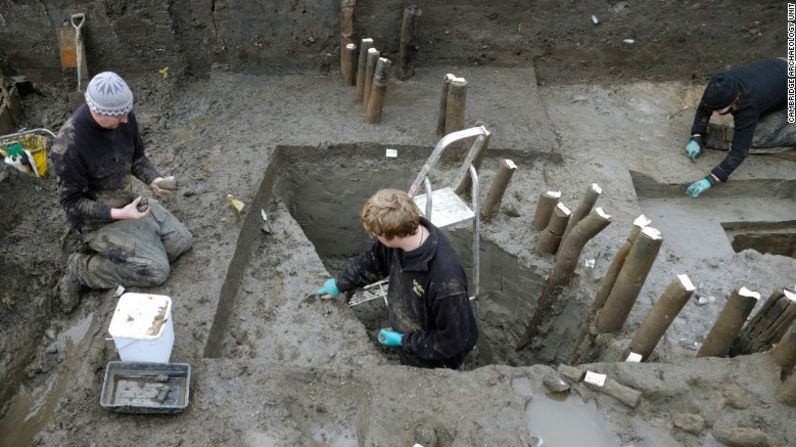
{"points": [[14, 149]]}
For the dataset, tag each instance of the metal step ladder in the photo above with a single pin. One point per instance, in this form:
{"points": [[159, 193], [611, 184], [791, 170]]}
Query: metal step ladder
{"points": [[443, 208]]}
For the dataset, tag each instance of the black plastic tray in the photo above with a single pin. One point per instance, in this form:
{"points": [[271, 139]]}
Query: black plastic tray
{"points": [[139, 387]]}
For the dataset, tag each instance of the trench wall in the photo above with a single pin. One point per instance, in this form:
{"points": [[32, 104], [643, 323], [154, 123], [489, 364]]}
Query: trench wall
{"points": [[285, 35]]}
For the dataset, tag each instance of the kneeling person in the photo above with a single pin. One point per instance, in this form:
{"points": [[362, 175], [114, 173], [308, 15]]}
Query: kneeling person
{"points": [[429, 311], [95, 153]]}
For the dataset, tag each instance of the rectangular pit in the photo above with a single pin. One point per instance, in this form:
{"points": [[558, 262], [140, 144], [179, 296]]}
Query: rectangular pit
{"points": [[312, 197]]}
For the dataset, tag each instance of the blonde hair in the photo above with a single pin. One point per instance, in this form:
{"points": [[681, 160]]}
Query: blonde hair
{"points": [[390, 213]]}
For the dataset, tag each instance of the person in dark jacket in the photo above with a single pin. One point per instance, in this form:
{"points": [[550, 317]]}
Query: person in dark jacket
{"points": [[94, 155], [430, 316], [755, 94]]}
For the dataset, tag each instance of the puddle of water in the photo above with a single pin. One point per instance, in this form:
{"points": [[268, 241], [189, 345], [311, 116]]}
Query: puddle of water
{"points": [[568, 422], [31, 408]]}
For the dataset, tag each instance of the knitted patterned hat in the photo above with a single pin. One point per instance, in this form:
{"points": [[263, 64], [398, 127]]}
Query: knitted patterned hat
{"points": [[721, 92], [108, 94]]}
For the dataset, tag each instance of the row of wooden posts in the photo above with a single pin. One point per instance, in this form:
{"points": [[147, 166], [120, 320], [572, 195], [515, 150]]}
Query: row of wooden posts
{"points": [[564, 233], [367, 69], [364, 68]]}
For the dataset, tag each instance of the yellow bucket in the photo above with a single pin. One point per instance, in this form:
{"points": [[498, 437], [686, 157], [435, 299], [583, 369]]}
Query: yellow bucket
{"points": [[35, 147]]}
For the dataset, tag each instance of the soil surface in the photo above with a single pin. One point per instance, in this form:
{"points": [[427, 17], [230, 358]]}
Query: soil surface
{"points": [[271, 368]]}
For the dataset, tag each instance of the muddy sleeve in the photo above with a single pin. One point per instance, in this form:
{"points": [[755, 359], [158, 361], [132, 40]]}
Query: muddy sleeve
{"points": [[73, 187], [371, 266], [142, 168], [452, 333], [701, 120], [745, 124]]}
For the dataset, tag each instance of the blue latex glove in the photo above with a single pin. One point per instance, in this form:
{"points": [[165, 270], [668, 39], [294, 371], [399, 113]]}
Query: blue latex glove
{"points": [[698, 187], [389, 337], [694, 147], [329, 288]]}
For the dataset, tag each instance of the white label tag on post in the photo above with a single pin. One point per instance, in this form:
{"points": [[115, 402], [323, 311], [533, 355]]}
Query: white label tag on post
{"points": [[633, 357], [594, 378]]}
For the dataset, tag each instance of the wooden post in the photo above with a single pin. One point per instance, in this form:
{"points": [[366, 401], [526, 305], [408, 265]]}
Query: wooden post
{"points": [[496, 190], [376, 101], [563, 270], [443, 105], [364, 46], [787, 391], [409, 45], [617, 263], [465, 186], [768, 325], [454, 118], [661, 316], [729, 322], [590, 327], [630, 280], [550, 239], [346, 33], [349, 62], [584, 207], [544, 209], [622, 393], [370, 69], [784, 353]]}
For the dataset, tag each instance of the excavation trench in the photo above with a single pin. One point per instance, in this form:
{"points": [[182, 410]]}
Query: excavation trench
{"points": [[732, 217], [312, 197]]}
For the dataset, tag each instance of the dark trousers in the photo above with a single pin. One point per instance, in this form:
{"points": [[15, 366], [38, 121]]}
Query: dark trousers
{"points": [[133, 253]]}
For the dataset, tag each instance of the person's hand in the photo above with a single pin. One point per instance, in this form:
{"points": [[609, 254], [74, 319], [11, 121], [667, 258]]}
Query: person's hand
{"points": [[130, 211], [163, 187], [698, 187], [329, 289], [694, 147], [391, 338]]}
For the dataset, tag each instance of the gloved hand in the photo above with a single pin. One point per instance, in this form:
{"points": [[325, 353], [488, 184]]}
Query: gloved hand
{"points": [[329, 289], [389, 337], [694, 147], [698, 187]]}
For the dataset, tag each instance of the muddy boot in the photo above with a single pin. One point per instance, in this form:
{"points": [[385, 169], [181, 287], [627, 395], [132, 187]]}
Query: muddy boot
{"points": [[69, 286]]}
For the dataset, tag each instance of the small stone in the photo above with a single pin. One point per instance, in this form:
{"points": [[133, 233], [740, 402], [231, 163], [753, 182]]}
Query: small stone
{"points": [[590, 263], [629, 41], [425, 435], [50, 333], [52, 349], [555, 383], [689, 422], [595, 20], [742, 437], [703, 300], [537, 441], [736, 396]]}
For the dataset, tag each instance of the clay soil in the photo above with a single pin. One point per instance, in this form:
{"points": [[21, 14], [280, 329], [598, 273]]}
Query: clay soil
{"points": [[270, 369]]}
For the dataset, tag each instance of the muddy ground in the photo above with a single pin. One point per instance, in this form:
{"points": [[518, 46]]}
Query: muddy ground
{"points": [[271, 370]]}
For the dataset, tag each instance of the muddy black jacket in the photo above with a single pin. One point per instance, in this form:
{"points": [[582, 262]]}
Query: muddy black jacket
{"points": [[427, 298], [763, 90], [93, 166]]}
